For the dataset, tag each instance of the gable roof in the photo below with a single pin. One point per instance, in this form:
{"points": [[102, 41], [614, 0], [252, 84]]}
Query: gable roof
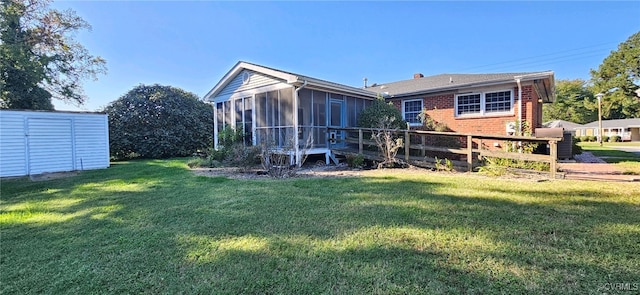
{"points": [[567, 125], [286, 77], [444, 82], [543, 82], [618, 123]]}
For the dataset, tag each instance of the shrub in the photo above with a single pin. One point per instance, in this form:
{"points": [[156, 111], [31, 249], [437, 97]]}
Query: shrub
{"points": [[615, 138], [243, 157], [605, 138], [158, 122], [202, 162], [592, 138], [355, 161], [372, 116], [575, 148], [584, 138]]}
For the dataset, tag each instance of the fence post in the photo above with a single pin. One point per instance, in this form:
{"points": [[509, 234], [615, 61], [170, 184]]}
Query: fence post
{"points": [[422, 143], [553, 147], [360, 141], [469, 153], [406, 146]]}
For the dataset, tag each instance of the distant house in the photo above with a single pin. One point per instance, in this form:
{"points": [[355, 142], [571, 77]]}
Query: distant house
{"points": [[627, 129], [284, 107], [567, 125]]}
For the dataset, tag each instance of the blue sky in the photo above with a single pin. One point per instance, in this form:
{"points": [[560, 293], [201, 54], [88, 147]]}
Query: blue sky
{"points": [[191, 45]]}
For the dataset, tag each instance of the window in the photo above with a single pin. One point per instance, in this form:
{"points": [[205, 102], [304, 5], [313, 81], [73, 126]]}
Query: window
{"points": [[468, 104], [498, 102], [411, 109]]}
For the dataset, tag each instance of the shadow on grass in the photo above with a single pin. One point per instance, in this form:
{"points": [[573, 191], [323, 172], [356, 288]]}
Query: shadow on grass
{"points": [[152, 227]]}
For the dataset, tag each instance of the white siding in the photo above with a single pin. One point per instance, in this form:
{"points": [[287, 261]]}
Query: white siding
{"points": [[92, 143], [34, 142], [50, 145], [13, 149], [256, 80]]}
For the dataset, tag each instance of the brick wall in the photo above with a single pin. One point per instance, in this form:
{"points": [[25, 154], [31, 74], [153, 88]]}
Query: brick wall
{"points": [[441, 109]]}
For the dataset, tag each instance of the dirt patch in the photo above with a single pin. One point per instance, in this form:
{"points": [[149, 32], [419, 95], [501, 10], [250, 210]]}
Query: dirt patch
{"points": [[52, 175], [315, 171]]}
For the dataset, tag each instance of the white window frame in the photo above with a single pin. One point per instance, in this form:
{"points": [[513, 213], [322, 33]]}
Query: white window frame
{"points": [[404, 114], [483, 104]]}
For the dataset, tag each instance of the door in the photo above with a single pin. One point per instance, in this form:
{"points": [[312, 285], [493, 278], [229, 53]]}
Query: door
{"points": [[336, 119]]}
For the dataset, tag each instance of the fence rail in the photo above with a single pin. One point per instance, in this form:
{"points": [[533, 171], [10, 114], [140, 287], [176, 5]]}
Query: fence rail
{"points": [[418, 144]]}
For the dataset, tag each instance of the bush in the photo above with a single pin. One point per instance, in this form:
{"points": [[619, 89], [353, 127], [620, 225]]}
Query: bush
{"points": [[372, 116], [584, 138], [605, 138], [615, 138], [158, 122], [592, 138], [243, 157], [355, 161], [575, 148]]}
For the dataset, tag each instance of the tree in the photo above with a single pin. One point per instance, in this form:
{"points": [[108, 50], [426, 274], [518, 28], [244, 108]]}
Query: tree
{"points": [[618, 78], [158, 122], [40, 60], [574, 102]]}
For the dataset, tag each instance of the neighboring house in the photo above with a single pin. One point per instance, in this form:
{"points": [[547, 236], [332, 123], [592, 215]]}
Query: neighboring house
{"points": [[627, 129], [35, 142], [566, 125], [279, 107]]}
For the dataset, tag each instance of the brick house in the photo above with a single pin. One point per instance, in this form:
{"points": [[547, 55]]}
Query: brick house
{"points": [[284, 107], [473, 103]]}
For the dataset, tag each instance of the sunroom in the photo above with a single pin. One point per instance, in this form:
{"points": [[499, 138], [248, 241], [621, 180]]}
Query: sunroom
{"points": [[288, 112]]}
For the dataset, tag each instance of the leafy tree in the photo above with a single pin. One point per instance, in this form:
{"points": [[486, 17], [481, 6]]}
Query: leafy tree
{"points": [[158, 122], [378, 113], [574, 103], [39, 59], [618, 78]]}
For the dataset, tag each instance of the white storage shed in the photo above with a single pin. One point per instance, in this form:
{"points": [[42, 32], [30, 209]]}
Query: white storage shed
{"points": [[35, 142]]}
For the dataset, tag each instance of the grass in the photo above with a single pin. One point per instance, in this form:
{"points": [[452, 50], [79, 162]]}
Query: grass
{"points": [[154, 227], [627, 162]]}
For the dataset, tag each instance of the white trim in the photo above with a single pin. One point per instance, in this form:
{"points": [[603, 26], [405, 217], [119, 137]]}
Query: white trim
{"points": [[404, 111], [252, 92], [483, 104]]}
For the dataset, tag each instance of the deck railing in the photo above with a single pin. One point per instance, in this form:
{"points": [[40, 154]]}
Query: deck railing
{"points": [[470, 148]]}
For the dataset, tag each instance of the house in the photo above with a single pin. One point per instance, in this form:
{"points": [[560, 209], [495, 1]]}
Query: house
{"points": [[566, 125], [35, 142], [271, 105], [627, 129], [474, 103], [286, 110]]}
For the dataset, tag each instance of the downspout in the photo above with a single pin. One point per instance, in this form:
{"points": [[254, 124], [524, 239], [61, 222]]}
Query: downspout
{"points": [[215, 125], [519, 107], [295, 124]]}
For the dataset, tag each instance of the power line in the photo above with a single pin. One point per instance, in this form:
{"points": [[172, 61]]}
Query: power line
{"points": [[532, 60]]}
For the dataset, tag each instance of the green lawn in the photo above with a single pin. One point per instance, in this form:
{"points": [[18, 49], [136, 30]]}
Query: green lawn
{"points": [[154, 227], [625, 161]]}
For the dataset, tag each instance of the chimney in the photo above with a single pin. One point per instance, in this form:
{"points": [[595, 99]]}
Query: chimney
{"points": [[418, 76], [365, 82]]}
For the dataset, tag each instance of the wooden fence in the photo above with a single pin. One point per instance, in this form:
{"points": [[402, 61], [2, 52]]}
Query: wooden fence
{"points": [[418, 144]]}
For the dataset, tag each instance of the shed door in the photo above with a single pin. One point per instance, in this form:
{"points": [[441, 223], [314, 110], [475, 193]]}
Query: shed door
{"points": [[50, 145]]}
